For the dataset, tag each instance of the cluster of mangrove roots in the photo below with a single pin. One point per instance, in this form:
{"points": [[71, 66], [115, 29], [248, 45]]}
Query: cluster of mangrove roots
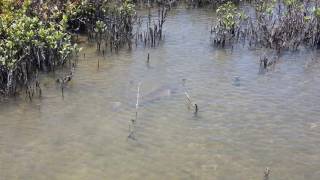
{"points": [[153, 34], [212, 3], [153, 3], [108, 23], [278, 25]]}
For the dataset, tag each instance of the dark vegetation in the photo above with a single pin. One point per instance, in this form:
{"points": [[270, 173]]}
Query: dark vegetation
{"points": [[108, 23], [32, 39], [38, 36], [279, 25]]}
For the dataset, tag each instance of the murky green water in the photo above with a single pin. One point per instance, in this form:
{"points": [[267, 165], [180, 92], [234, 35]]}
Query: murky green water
{"points": [[264, 120]]}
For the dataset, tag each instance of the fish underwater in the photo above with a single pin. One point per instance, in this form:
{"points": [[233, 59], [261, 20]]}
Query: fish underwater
{"points": [[158, 94], [162, 92]]}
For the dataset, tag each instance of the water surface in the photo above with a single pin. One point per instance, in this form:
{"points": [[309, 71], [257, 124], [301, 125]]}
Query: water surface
{"points": [[247, 121]]}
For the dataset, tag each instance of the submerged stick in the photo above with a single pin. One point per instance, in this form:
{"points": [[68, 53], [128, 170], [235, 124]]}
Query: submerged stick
{"points": [[133, 121], [62, 91], [189, 101], [266, 173], [137, 104], [38, 88], [131, 130], [67, 78], [188, 97]]}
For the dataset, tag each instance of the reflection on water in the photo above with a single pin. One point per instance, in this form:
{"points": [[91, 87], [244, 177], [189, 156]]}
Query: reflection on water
{"points": [[246, 121]]}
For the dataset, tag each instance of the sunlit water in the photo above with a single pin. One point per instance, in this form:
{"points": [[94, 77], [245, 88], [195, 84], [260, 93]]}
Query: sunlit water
{"points": [[246, 121]]}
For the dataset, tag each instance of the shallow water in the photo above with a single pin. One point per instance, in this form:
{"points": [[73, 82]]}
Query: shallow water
{"points": [[247, 121]]}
